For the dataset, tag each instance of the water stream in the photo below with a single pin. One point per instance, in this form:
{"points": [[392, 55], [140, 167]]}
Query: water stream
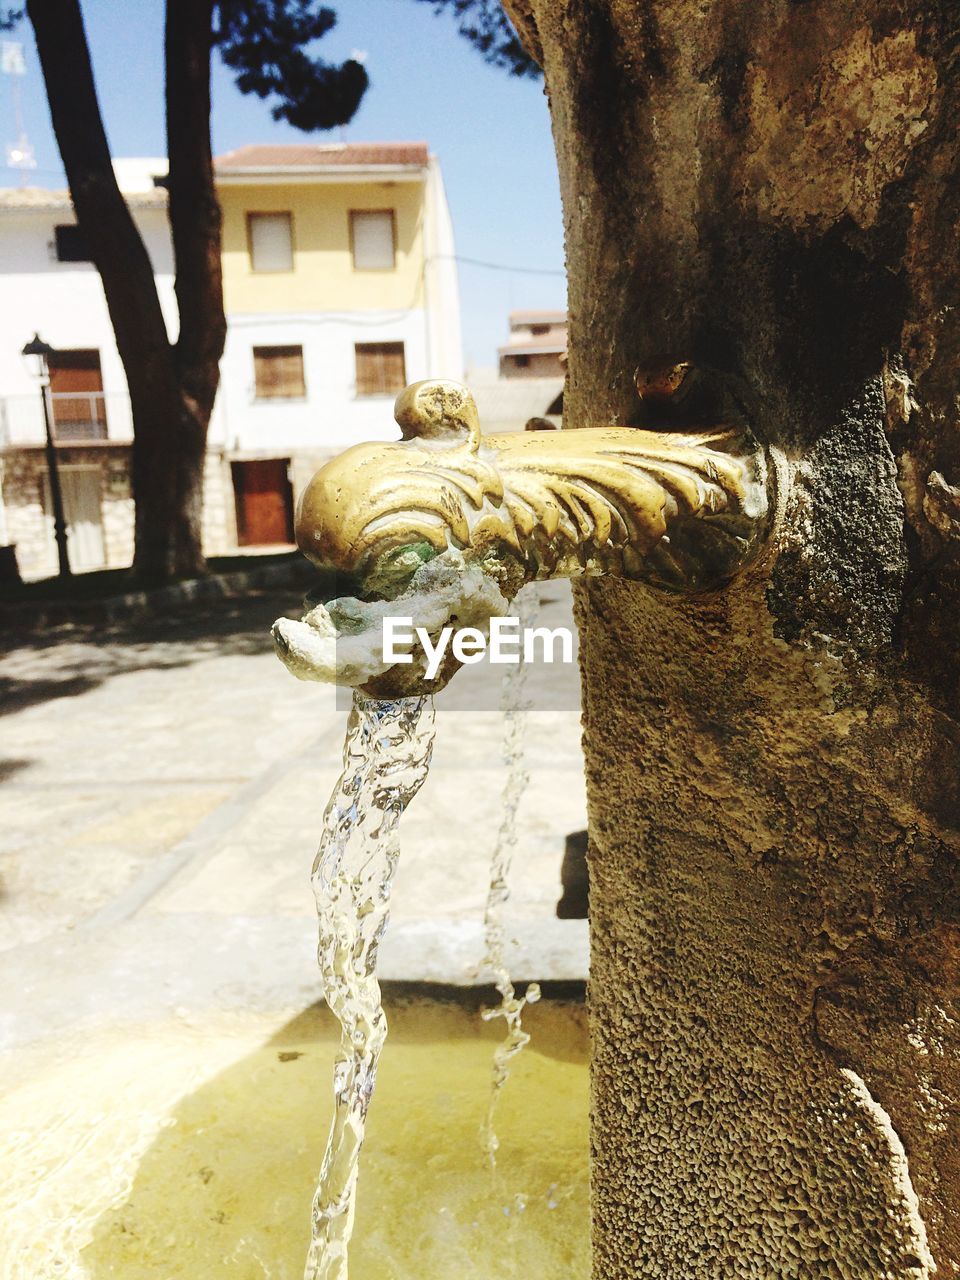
{"points": [[510, 1009], [386, 757]]}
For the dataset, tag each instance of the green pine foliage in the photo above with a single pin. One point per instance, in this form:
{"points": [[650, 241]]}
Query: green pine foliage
{"points": [[485, 25], [267, 44]]}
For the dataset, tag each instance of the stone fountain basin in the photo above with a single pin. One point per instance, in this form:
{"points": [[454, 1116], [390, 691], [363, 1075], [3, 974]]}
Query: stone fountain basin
{"points": [[187, 1147], [141, 1032]]}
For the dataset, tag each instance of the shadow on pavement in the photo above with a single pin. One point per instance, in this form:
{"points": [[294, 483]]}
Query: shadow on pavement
{"points": [[63, 662], [9, 767]]}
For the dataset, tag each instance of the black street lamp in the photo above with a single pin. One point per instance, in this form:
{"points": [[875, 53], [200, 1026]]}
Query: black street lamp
{"points": [[37, 353]]}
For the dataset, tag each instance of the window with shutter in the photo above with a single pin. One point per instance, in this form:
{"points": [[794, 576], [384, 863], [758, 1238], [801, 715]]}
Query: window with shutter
{"points": [[278, 373], [381, 368], [270, 237], [372, 235]]}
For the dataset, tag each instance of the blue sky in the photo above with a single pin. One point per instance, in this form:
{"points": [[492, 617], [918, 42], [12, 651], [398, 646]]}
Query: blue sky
{"points": [[491, 132]]}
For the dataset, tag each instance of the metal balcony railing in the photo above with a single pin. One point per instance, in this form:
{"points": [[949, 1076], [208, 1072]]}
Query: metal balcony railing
{"points": [[78, 415]]}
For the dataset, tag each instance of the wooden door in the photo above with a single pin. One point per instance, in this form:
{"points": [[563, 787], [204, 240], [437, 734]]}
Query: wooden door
{"points": [[264, 502]]}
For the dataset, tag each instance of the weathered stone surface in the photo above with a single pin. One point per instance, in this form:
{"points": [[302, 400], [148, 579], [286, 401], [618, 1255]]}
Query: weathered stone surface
{"points": [[23, 474], [771, 191]]}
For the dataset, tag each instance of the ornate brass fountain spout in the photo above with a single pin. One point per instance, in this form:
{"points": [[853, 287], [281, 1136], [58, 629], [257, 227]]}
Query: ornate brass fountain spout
{"points": [[448, 523]]}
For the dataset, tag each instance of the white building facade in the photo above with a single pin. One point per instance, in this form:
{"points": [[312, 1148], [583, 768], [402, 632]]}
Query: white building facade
{"points": [[339, 284]]}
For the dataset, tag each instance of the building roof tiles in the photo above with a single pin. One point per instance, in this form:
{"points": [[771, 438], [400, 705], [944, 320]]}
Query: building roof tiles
{"points": [[311, 155]]}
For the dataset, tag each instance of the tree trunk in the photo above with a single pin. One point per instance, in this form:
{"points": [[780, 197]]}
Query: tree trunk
{"points": [[172, 387], [772, 191], [195, 222]]}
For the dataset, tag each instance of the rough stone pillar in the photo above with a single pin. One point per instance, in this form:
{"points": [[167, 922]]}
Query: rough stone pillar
{"points": [[771, 190]]}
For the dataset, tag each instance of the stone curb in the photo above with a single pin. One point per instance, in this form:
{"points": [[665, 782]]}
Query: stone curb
{"points": [[294, 572]]}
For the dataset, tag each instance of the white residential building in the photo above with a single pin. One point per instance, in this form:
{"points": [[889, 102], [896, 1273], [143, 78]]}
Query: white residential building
{"points": [[339, 285]]}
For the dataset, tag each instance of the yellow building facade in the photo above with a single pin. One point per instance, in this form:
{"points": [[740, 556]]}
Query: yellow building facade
{"points": [[323, 276], [340, 287]]}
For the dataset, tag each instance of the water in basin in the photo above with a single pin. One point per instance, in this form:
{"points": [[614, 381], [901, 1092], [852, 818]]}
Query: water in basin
{"points": [[188, 1150]]}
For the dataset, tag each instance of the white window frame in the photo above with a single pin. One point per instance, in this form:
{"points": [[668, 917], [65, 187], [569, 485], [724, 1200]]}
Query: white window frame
{"points": [[262, 216], [355, 216]]}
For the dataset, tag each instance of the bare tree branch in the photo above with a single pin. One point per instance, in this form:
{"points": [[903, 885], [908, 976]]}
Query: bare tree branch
{"points": [[195, 218], [115, 243], [173, 386]]}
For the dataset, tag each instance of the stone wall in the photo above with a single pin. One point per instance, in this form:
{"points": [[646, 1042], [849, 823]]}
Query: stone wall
{"points": [[304, 464], [219, 510], [30, 523], [116, 507], [27, 525]]}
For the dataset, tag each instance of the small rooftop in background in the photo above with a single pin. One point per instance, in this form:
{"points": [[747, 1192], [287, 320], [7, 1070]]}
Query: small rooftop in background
{"points": [[142, 179], [524, 318], [313, 155], [39, 198], [536, 345], [521, 343]]}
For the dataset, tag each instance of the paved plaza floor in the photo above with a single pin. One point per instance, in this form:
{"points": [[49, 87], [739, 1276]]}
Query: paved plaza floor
{"points": [[162, 783]]}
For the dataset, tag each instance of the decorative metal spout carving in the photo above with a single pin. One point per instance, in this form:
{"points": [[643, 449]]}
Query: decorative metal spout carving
{"points": [[684, 512]]}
